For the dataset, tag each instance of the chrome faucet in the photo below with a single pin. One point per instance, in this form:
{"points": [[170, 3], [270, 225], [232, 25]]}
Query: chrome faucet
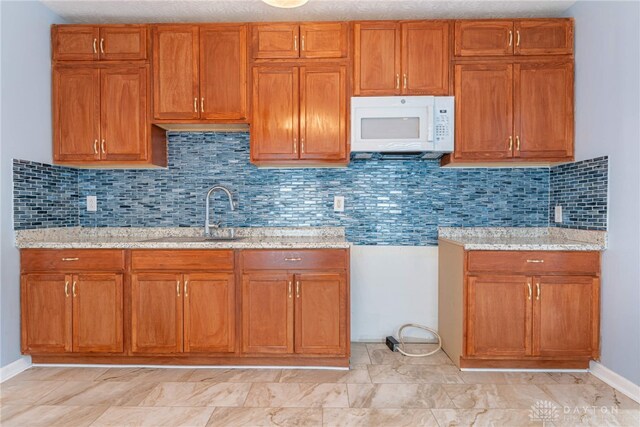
{"points": [[207, 225]]}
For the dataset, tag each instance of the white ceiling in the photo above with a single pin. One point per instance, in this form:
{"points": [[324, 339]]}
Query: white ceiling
{"points": [[134, 11]]}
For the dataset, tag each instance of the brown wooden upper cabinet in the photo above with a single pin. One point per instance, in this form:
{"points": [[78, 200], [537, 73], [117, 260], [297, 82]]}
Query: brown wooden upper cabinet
{"points": [[200, 72], [406, 58], [514, 111], [299, 114], [100, 114], [307, 40], [519, 37], [99, 43]]}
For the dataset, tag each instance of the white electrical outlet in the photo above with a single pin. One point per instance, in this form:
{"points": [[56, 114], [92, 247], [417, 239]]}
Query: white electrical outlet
{"points": [[558, 213], [92, 203], [338, 203]]}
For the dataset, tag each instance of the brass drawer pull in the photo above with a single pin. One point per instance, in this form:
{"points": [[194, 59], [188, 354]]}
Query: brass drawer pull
{"points": [[73, 289], [538, 291], [535, 261], [178, 287], [518, 38], [70, 259], [510, 38], [297, 289], [95, 42], [530, 291], [66, 289], [290, 289], [293, 259], [186, 288]]}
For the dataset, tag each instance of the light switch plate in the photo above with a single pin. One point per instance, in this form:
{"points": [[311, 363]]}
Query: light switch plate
{"points": [[558, 214], [92, 203], [338, 203]]}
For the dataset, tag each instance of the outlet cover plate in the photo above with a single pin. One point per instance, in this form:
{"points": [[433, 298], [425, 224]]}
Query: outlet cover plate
{"points": [[92, 203], [338, 203]]}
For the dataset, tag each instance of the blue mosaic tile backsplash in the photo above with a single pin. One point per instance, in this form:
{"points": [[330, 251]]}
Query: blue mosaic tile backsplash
{"points": [[581, 189], [387, 202], [44, 196]]}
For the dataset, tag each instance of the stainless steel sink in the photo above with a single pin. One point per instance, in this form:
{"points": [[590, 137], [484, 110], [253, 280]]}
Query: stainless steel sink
{"points": [[195, 239]]}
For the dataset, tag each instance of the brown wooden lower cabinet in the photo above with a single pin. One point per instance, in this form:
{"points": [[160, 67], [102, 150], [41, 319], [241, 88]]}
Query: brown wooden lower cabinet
{"points": [[173, 313], [64, 313], [294, 313], [183, 306], [519, 309]]}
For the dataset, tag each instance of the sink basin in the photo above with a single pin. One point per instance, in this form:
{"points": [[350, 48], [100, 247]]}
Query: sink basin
{"points": [[194, 239]]}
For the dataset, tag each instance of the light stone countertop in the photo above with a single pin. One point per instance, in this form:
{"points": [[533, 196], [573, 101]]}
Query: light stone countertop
{"points": [[524, 238], [179, 238]]}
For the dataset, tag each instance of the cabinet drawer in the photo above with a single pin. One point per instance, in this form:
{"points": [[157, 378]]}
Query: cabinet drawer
{"points": [[533, 262], [72, 260], [181, 260], [315, 259]]}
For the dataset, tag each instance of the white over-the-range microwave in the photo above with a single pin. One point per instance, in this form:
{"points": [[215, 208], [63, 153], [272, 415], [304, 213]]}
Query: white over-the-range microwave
{"points": [[402, 124]]}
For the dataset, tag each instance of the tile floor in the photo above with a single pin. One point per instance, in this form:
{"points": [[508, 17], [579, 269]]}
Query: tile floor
{"points": [[381, 389]]}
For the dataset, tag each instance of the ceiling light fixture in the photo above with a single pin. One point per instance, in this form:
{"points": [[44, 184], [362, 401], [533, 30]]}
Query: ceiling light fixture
{"points": [[285, 4]]}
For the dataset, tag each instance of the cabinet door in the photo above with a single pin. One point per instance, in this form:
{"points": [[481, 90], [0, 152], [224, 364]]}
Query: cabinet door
{"points": [[323, 40], [377, 59], [498, 316], [274, 133], [175, 72], [543, 104], [123, 113], [209, 312], [425, 58], [46, 313], [320, 308], [97, 313], [323, 112], [267, 312], [484, 38], [484, 111], [544, 37], [75, 42], [566, 316], [275, 41], [156, 313], [223, 72], [76, 113], [123, 42]]}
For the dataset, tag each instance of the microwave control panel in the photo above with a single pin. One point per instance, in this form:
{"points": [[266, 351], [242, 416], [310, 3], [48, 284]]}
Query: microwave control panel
{"points": [[443, 123]]}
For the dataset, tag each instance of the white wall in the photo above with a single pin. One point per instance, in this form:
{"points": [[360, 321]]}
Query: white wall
{"points": [[608, 123], [391, 286], [25, 134]]}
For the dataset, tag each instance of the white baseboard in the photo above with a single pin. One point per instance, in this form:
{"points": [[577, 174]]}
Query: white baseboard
{"points": [[14, 368], [616, 381]]}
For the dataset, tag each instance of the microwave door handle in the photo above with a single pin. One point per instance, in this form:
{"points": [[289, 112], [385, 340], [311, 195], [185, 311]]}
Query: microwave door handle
{"points": [[430, 122]]}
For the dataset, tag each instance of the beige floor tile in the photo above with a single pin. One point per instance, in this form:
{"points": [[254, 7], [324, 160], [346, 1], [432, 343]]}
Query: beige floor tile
{"points": [[34, 416], [45, 373], [297, 395], [574, 378], [357, 374], [157, 375], [381, 355], [156, 417], [359, 354], [26, 392], [591, 417], [397, 396], [495, 396], [484, 417], [507, 378], [235, 375], [197, 394], [9, 411], [97, 393], [258, 417], [426, 374], [580, 395], [365, 417]]}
